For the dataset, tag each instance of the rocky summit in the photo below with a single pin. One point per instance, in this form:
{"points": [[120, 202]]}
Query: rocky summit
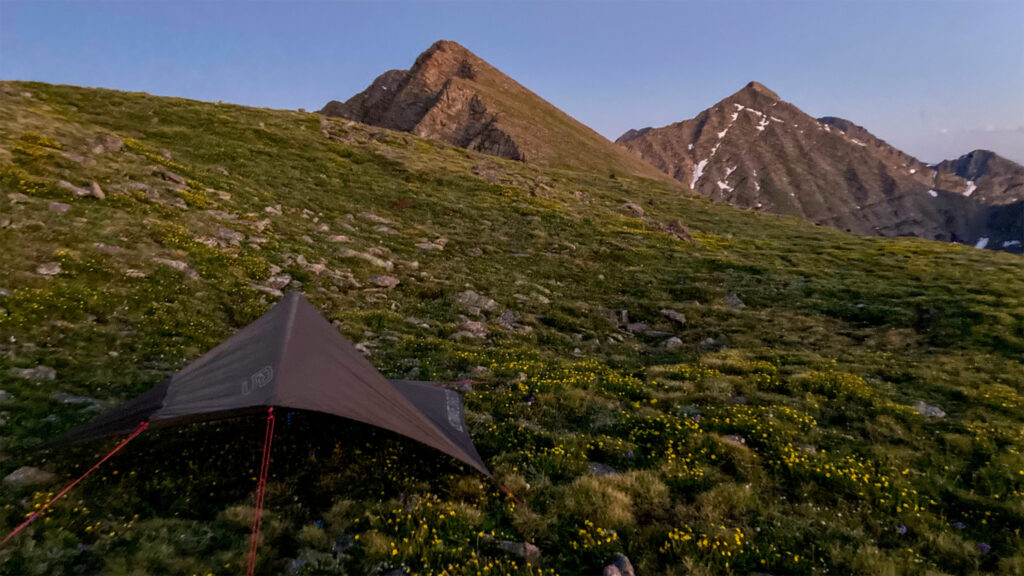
{"points": [[990, 178], [454, 96], [757, 151]]}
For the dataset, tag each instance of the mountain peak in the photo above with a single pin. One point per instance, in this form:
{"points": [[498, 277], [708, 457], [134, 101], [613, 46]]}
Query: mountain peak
{"points": [[758, 88], [452, 95]]}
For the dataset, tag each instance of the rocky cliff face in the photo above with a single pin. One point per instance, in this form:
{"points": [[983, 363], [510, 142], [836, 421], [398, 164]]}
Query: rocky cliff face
{"points": [[454, 96], [757, 151], [991, 178]]}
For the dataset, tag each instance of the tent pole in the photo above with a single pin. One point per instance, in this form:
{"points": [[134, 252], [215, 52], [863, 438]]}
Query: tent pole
{"points": [[261, 487], [138, 430]]}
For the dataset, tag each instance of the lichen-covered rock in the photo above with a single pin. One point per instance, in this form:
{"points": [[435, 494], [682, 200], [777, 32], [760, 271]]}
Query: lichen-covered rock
{"points": [[29, 476]]}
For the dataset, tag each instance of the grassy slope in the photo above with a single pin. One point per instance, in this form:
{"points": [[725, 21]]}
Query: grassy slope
{"points": [[839, 336], [549, 136]]}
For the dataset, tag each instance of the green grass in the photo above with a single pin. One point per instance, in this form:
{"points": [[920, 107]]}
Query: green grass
{"points": [[788, 445]]}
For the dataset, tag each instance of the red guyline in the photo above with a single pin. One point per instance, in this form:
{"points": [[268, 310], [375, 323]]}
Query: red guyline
{"points": [[261, 487], [138, 430]]}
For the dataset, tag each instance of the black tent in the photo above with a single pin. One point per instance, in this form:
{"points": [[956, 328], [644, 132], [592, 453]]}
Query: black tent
{"points": [[291, 357]]}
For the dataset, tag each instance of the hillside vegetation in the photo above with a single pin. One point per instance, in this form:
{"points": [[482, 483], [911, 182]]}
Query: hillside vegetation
{"points": [[759, 411]]}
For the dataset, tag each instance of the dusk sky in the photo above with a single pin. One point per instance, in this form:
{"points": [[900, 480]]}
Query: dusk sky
{"points": [[936, 79]]}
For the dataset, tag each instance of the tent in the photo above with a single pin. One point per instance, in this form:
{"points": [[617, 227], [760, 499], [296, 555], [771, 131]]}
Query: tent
{"points": [[293, 358]]}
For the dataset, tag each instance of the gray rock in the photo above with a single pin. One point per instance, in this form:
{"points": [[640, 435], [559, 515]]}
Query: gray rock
{"points": [[133, 273], [476, 303], [734, 301], [470, 329], [382, 229], [524, 550], [79, 159], [929, 410], [338, 238], [29, 476], [600, 469], [230, 236], [474, 252], [672, 343], [96, 192], [275, 210], [429, 246], [279, 282], [77, 191], [374, 218], [179, 266], [384, 281], [220, 170], [171, 177], [632, 209], [48, 269], [91, 404], [733, 440], [38, 373], [59, 207], [378, 262], [638, 327], [677, 317], [4, 396]]}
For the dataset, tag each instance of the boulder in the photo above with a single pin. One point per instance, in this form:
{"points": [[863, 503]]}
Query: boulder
{"points": [[673, 315], [175, 179], [59, 207], [672, 343], [734, 301], [929, 410], [600, 469], [615, 317], [378, 262], [632, 209], [638, 327], [338, 238], [230, 236], [475, 303], [470, 329], [96, 192], [48, 269], [179, 266], [524, 550], [474, 252], [279, 282], [384, 281], [29, 476]]}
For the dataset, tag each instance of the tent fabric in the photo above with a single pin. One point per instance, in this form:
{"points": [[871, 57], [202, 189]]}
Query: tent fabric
{"points": [[292, 357]]}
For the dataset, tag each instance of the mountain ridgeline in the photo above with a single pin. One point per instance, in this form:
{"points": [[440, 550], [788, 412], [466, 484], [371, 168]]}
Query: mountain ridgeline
{"points": [[757, 151], [751, 150], [452, 95]]}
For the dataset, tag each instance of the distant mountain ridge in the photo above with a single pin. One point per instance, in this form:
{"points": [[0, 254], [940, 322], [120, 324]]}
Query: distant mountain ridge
{"points": [[756, 151], [452, 95]]}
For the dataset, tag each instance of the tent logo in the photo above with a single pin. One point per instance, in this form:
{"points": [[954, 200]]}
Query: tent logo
{"points": [[258, 380]]}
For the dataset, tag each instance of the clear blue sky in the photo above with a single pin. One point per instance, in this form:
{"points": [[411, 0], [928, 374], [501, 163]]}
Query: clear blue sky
{"points": [[935, 78]]}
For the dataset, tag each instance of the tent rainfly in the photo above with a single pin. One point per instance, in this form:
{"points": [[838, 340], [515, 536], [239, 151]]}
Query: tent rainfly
{"points": [[293, 358]]}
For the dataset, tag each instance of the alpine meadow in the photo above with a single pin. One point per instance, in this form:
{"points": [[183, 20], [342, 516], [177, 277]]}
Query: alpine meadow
{"points": [[700, 388]]}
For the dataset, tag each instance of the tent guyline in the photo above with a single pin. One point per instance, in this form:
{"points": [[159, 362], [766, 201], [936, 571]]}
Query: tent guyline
{"points": [[291, 358], [31, 518], [261, 488]]}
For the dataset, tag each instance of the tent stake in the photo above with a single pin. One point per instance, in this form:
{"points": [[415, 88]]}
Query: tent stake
{"points": [[261, 487], [138, 430]]}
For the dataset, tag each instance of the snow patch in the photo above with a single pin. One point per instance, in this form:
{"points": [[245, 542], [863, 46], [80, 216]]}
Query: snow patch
{"points": [[724, 186], [697, 173], [913, 170], [1009, 243], [722, 133], [971, 187], [690, 146], [982, 242], [933, 193], [826, 127], [739, 107], [857, 142], [762, 124], [729, 171], [776, 119]]}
